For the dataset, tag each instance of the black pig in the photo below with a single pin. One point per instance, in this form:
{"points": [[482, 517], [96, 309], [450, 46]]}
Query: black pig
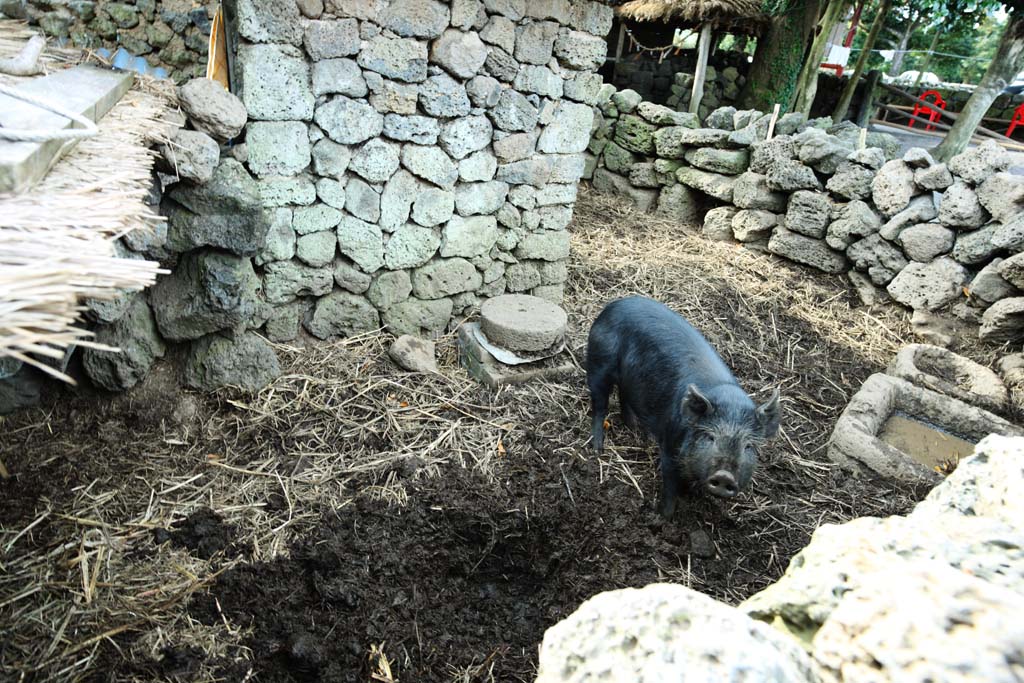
{"points": [[673, 384]]}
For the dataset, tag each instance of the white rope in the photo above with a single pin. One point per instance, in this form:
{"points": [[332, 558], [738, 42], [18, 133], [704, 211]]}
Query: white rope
{"points": [[39, 135]]}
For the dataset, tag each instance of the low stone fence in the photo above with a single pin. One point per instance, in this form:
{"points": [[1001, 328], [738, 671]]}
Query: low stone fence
{"points": [[173, 34], [670, 81], [927, 232]]}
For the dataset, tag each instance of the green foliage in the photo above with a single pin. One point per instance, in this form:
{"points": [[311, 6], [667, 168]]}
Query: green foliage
{"points": [[967, 27]]}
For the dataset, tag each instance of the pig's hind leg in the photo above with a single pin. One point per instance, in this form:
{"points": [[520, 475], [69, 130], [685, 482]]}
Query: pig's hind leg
{"points": [[600, 382]]}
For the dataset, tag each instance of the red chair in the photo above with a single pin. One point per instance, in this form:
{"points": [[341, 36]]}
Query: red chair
{"points": [[922, 108], [1018, 119]]}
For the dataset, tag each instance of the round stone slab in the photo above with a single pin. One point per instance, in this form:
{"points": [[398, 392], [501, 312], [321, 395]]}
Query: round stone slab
{"points": [[519, 322]]}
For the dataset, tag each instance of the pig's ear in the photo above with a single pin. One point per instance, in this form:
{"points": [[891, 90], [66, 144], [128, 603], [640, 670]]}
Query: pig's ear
{"points": [[768, 414], [697, 404]]}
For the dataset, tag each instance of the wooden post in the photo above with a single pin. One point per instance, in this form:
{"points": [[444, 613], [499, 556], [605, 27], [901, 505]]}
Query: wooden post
{"points": [[703, 43], [618, 51], [867, 102]]}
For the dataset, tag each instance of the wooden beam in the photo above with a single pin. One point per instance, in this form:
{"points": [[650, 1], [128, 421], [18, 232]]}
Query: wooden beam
{"points": [[949, 114], [703, 43], [918, 131], [618, 50], [85, 90]]}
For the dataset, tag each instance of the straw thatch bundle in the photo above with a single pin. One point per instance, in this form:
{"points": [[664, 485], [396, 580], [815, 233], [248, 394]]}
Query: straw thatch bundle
{"points": [[719, 13], [57, 239]]}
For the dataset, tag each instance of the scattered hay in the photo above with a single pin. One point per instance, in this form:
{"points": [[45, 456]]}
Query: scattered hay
{"points": [[86, 586]]}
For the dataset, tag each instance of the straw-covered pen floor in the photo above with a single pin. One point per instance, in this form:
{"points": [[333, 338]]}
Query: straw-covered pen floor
{"points": [[353, 520]]}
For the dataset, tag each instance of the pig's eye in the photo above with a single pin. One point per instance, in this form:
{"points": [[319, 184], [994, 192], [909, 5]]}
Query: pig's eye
{"points": [[751, 451]]}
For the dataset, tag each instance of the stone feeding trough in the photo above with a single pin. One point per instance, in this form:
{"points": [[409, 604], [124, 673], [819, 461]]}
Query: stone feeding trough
{"points": [[916, 425], [519, 338]]}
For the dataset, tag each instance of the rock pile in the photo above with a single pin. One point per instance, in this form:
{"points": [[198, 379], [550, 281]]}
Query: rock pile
{"points": [[923, 230], [932, 596], [173, 34]]}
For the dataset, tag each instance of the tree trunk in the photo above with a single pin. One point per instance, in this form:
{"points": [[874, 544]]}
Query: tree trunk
{"points": [[1007, 63], [778, 57], [927, 58], [807, 85], [901, 47], [867, 103], [869, 42]]}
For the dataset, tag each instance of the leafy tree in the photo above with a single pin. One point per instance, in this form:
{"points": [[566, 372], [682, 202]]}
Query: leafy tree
{"points": [[779, 54], [1005, 65]]}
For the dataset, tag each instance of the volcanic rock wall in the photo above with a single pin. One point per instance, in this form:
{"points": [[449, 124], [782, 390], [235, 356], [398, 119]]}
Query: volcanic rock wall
{"points": [[384, 165], [173, 34], [925, 231]]}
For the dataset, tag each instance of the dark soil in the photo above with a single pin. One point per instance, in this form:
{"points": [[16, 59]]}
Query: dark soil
{"points": [[459, 580]]}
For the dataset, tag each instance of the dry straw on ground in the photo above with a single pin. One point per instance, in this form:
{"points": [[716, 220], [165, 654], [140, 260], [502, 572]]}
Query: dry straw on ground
{"points": [[84, 586], [57, 239]]}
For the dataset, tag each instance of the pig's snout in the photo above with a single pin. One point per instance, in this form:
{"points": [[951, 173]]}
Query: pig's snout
{"points": [[722, 484]]}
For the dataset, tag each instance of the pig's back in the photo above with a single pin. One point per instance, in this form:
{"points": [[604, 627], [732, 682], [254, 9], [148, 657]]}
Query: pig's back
{"points": [[655, 344]]}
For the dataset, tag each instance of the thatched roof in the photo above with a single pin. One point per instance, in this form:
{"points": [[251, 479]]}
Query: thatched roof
{"points": [[57, 239], [720, 13]]}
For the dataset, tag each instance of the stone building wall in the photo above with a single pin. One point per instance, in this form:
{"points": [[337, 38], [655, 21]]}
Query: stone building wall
{"points": [[382, 165], [415, 157], [927, 232], [173, 34], [670, 81]]}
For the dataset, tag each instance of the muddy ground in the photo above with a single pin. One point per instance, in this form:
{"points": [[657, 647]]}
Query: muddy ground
{"points": [[354, 522]]}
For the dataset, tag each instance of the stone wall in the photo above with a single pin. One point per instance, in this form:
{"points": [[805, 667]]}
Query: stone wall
{"points": [[670, 82], [173, 34], [925, 231], [382, 165]]}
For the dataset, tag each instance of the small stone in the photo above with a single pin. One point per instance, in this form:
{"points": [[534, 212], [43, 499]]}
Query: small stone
{"points": [[535, 42], [443, 96], [362, 242], [515, 113], [918, 157], [809, 213], [212, 109], [349, 121], [362, 201], [338, 76], [277, 148], [933, 178], [316, 249], [275, 83], [718, 224], [1003, 321], [433, 206], [283, 281], [469, 237], [569, 132], [960, 208], [928, 285], [989, 285], [415, 18], [578, 50], [851, 181], [479, 166], [500, 31], [1012, 270], [751, 225], [976, 165], [430, 163], [926, 241], [191, 155], [893, 187], [136, 335], [976, 246], [342, 314], [419, 317], [786, 175], [718, 186], [805, 250], [414, 354], [245, 361], [1002, 194], [331, 39], [265, 21], [410, 246], [879, 258], [445, 277], [401, 59], [483, 91], [461, 54], [351, 278], [727, 161], [389, 287], [376, 161], [330, 159], [466, 135]]}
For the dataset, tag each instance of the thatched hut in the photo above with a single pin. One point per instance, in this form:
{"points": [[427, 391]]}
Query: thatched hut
{"points": [[652, 29]]}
